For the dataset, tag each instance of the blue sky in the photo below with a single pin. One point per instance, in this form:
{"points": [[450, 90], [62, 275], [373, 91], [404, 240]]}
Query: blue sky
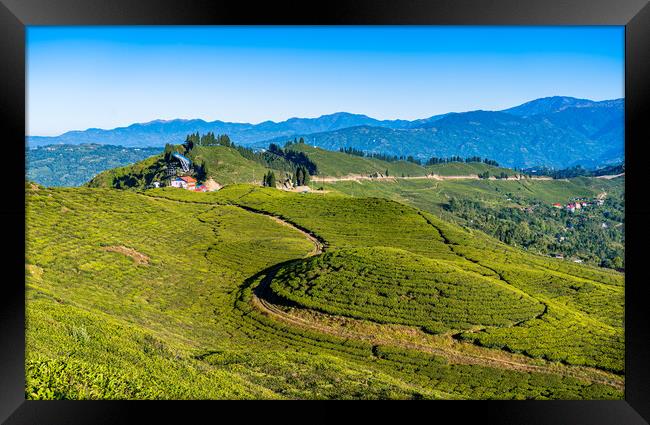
{"points": [[106, 77]]}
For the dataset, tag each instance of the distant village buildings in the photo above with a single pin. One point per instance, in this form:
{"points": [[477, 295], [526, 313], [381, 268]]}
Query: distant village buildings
{"points": [[576, 204], [579, 204]]}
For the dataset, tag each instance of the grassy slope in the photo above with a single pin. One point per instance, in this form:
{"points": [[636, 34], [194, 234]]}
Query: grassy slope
{"points": [[226, 166], [336, 164], [101, 325], [142, 173], [586, 291], [388, 285], [431, 194]]}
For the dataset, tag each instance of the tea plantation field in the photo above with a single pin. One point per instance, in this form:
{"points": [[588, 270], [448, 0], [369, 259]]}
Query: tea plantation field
{"points": [[519, 212], [253, 292]]}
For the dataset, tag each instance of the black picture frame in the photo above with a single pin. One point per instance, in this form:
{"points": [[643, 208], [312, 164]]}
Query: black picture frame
{"points": [[15, 15]]}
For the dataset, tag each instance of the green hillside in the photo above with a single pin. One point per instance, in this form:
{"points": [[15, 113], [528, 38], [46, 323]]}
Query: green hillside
{"points": [[425, 193], [227, 164], [140, 174], [518, 212], [337, 164], [213, 305], [388, 285], [224, 164]]}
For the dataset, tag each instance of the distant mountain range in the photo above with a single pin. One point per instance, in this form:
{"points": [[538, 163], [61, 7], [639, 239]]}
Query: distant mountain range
{"points": [[555, 131]]}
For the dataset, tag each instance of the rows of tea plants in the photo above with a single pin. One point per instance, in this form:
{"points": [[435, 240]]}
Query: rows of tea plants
{"points": [[583, 324], [584, 305], [388, 285], [346, 222], [432, 375], [139, 295]]}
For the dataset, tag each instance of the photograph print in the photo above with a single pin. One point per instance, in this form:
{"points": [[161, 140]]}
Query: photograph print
{"points": [[325, 212]]}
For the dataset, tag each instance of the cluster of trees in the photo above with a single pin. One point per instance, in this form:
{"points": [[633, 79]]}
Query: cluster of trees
{"points": [[435, 160], [201, 171], [300, 176], [295, 141], [297, 158], [431, 161], [269, 179], [352, 151], [169, 150], [208, 139], [381, 156]]}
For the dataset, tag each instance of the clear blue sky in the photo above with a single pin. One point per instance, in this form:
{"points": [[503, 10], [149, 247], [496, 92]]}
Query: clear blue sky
{"points": [[105, 77]]}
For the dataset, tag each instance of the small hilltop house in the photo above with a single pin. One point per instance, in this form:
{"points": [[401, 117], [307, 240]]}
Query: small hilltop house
{"points": [[184, 182]]}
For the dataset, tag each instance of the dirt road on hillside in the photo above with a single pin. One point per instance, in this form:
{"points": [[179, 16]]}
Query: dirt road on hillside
{"points": [[358, 177], [260, 301]]}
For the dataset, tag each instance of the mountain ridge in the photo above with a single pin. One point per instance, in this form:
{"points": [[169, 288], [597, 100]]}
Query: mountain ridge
{"points": [[560, 131]]}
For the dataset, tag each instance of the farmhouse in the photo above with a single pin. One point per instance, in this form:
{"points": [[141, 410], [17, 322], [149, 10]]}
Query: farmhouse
{"points": [[557, 205], [185, 182]]}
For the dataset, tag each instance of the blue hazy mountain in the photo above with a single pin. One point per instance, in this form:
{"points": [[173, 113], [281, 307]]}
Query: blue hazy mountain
{"points": [[548, 105], [554, 131], [159, 132]]}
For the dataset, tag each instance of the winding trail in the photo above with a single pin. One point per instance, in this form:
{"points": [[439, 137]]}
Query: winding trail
{"points": [[260, 300]]}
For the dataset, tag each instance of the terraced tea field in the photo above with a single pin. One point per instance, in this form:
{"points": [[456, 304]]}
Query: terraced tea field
{"points": [[388, 285], [258, 293]]}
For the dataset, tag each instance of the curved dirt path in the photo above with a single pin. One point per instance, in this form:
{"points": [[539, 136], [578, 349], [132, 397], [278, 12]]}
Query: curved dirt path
{"points": [[260, 302], [452, 355]]}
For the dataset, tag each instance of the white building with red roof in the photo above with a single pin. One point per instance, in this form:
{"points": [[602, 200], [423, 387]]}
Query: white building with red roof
{"points": [[184, 182]]}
